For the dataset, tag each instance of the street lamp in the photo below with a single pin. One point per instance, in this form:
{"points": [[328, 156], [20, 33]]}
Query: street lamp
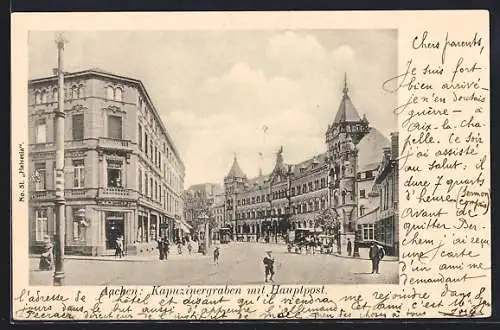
{"points": [[204, 219], [59, 179]]}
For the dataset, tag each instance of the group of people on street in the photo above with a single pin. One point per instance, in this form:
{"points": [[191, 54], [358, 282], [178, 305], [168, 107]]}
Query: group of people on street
{"points": [[163, 248]]}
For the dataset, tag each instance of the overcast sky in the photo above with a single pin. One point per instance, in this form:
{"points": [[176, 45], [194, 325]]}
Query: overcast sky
{"points": [[243, 92]]}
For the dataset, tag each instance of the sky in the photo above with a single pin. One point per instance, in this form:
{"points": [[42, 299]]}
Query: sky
{"points": [[221, 93]]}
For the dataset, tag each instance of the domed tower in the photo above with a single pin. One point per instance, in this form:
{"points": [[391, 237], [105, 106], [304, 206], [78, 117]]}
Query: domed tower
{"points": [[234, 184], [342, 136]]}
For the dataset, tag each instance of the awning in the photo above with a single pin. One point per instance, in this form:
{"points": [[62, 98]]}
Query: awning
{"points": [[369, 218], [185, 227]]}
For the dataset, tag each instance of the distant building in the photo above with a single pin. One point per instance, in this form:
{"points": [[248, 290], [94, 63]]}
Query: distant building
{"points": [[382, 223], [123, 172], [293, 195], [200, 202]]}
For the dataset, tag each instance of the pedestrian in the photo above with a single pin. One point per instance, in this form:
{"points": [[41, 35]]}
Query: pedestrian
{"points": [[216, 255], [119, 247], [190, 247], [161, 248], [349, 247], [47, 256], [268, 266], [166, 248], [179, 248], [376, 253]]}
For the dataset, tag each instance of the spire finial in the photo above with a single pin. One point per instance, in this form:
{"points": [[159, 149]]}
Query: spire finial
{"points": [[234, 153], [345, 83]]}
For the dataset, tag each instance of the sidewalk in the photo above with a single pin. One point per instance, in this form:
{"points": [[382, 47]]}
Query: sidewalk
{"points": [[386, 258], [133, 258]]}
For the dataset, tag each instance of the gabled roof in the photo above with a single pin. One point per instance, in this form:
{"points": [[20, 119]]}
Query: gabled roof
{"points": [[371, 149]]}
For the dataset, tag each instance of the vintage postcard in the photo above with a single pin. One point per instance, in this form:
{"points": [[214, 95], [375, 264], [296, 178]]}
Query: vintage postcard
{"points": [[271, 165]]}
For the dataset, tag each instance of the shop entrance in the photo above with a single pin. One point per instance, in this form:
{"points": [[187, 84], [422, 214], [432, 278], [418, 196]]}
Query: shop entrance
{"points": [[115, 226]]}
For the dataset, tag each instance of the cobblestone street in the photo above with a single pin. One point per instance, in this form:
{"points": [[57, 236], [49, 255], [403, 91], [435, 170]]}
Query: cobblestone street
{"points": [[240, 263]]}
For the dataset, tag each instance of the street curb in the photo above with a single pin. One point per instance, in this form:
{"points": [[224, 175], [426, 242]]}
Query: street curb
{"points": [[125, 258], [346, 257]]}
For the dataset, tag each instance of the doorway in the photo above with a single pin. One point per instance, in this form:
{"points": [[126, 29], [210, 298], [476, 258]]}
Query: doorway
{"points": [[114, 227]]}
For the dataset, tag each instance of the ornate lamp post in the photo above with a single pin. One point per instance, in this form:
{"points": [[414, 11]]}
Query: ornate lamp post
{"points": [[204, 220], [60, 201]]}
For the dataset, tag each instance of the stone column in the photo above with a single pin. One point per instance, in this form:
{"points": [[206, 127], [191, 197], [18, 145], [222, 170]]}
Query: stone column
{"points": [[148, 223]]}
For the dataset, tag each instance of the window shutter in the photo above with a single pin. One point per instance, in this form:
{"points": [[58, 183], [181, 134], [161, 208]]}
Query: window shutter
{"points": [[115, 127], [78, 127]]}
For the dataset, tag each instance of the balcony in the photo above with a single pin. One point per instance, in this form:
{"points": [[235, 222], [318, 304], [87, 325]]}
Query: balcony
{"points": [[41, 146], [114, 192], [115, 144], [42, 195]]}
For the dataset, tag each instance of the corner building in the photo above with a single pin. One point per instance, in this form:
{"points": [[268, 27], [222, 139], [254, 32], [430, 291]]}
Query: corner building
{"points": [[293, 195], [123, 173]]}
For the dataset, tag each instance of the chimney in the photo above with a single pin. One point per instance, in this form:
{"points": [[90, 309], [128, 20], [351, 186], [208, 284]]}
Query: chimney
{"points": [[395, 145]]}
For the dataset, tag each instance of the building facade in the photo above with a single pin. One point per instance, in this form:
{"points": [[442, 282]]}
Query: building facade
{"points": [[123, 173], [381, 224], [200, 206], [294, 195]]}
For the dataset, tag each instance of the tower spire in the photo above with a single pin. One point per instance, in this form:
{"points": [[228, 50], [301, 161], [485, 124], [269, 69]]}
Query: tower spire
{"points": [[345, 84]]}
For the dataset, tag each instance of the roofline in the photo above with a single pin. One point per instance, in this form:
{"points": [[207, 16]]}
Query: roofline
{"points": [[120, 77]]}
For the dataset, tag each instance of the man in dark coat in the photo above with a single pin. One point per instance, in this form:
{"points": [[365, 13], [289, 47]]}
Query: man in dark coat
{"points": [[376, 254], [268, 266], [161, 248]]}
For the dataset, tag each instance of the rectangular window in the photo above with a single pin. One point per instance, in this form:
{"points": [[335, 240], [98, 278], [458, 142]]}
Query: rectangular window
{"points": [[77, 125], [115, 127], [41, 132], [41, 224], [362, 193], [146, 144], [140, 181], [368, 232], [146, 190], [139, 135], [78, 173], [114, 175], [40, 177], [151, 187], [77, 227]]}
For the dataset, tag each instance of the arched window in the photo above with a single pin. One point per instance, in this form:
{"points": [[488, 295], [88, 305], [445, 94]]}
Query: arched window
{"points": [[81, 92], [55, 95], [74, 92], [110, 93], [38, 97], [45, 95], [118, 94], [343, 197]]}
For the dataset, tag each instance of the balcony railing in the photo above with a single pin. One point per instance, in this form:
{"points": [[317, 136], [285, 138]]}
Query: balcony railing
{"points": [[42, 195], [114, 192], [110, 143]]}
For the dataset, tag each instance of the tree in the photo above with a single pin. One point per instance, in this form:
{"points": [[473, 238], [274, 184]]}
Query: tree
{"points": [[328, 219]]}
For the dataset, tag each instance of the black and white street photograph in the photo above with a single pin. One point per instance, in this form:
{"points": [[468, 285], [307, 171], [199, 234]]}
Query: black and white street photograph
{"points": [[212, 157]]}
